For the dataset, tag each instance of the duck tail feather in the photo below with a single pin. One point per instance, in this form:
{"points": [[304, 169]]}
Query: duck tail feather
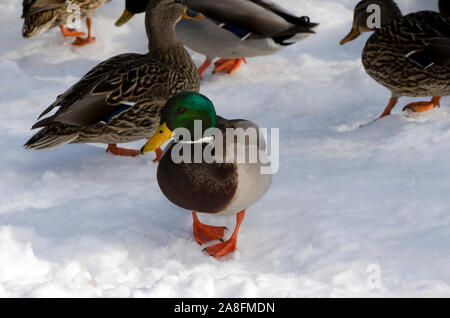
{"points": [[46, 140]]}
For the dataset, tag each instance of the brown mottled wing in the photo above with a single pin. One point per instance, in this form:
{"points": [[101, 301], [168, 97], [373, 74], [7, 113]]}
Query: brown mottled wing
{"points": [[437, 52], [35, 6], [424, 37], [415, 31], [389, 55], [122, 80]]}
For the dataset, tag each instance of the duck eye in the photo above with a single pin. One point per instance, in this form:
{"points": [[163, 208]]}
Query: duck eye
{"points": [[181, 110]]}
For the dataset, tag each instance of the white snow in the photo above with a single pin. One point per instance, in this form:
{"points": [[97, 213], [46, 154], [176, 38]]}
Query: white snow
{"points": [[78, 222]]}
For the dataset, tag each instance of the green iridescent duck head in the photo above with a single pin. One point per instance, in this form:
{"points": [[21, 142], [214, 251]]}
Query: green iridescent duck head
{"points": [[182, 111]]}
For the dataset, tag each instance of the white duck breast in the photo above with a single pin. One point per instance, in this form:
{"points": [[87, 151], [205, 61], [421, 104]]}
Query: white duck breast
{"points": [[252, 184]]}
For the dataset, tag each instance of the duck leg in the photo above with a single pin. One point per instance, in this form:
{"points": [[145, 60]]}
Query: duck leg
{"points": [[70, 32], [204, 66], [221, 249], [228, 65], [387, 111], [419, 107], [90, 39], [112, 148], [205, 233]]}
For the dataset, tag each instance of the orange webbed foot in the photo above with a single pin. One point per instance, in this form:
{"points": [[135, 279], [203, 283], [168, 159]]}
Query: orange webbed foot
{"points": [[112, 148], [387, 111], [79, 41], [227, 247], [206, 233], [70, 32], [222, 249], [228, 65], [419, 107]]}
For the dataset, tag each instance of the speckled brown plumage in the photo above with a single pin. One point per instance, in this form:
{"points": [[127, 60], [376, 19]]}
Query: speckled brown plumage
{"points": [[387, 55], [40, 15], [120, 99]]}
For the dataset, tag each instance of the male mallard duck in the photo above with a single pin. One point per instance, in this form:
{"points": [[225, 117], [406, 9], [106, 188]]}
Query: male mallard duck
{"points": [[220, 185], [410, 55], [40, 15], [235, 29], [120, 99]]}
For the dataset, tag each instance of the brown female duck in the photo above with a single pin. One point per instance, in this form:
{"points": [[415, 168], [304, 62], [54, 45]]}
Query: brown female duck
{"points": [[409, 55], [40, 15], [120, 99]]}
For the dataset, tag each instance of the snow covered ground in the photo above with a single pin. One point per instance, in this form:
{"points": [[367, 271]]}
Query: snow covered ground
{"points": [[76, 221]]}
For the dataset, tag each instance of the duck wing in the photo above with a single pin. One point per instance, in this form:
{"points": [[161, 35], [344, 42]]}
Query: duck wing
{"points": [[34, 6], [113, 86], [436, 52], [259, 17], [427, 35]]}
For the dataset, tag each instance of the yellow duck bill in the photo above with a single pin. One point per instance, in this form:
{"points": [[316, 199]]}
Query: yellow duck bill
{"points": [[124, 18], [354, 33], [162, 135]]}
